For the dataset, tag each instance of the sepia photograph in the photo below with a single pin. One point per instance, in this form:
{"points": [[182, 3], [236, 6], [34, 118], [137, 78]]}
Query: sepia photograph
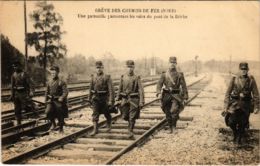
{"points": [[130, 82]]}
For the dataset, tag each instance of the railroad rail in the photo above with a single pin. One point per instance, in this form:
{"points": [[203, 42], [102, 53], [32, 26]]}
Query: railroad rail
{"points": [[12, 134], [71, 87], [8, 115], [107, 147], [75, 86]]}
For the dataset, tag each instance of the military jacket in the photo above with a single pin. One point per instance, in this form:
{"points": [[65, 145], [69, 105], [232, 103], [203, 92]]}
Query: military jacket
{"points": [[101, 83], [242, 88], [58, 88], [22, 81], [131, 83], [173, 80]]}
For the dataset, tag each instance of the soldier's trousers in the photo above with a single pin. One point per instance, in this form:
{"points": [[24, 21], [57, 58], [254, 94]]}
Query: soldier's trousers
{"points": [[20, 102], [129, 112], [100, 107], [171, 109], [54, 110]]}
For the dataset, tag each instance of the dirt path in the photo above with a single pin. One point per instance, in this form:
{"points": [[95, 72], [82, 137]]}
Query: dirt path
{"points": [[202, 142]]}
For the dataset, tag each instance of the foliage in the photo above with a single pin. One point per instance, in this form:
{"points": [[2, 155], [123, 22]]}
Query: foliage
{"points": [[46, 38], [9, 54]]}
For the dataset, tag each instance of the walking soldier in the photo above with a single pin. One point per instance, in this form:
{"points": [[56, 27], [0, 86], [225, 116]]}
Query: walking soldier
{"points": [[242, 94], [101, 95], [21, 91], [131, 94], [56, 99], [174, 94]]}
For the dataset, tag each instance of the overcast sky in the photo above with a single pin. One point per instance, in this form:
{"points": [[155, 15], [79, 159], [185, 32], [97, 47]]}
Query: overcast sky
{"points": [[212, 30]]}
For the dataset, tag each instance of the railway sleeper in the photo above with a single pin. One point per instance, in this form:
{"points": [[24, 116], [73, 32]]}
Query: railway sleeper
{"points": [[95, 147], [80, 154], [156, 113], [103, 141], [125, 126], [14, 136], [158, 116], [113, 136], [7, 125], [77, 124], [146, 122], [123, 131]]}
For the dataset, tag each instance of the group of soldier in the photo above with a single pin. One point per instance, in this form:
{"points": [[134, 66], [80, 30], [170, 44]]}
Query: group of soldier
{"points": [[241, 97]]}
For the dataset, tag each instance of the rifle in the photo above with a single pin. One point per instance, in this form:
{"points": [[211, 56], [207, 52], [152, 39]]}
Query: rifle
{"points": [[88, 101], [41, 103], [176, 98]]}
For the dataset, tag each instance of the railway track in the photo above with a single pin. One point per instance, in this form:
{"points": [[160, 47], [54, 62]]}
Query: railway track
{"points": [[40, 91], [12, 134], [104, 148], [8, 115]]}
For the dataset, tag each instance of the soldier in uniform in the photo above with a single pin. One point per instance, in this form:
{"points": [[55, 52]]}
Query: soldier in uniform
{"points": [[131, 94], [242, 94], [56, 99], [21, 90], [101, 95], [174, 94]]}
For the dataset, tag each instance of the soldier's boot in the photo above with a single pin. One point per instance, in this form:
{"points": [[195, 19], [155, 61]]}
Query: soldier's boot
{"points": [[108, 126], [61, 124], [234, 136], [53, 125], [95, 130], [19, 121], [131, 129], [170, 131], [174, 122], [61, 128]]}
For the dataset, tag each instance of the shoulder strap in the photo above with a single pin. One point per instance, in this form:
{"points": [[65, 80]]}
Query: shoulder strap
{"points": [[167, 74], [22, 74], [251, 78], [136, 82]]}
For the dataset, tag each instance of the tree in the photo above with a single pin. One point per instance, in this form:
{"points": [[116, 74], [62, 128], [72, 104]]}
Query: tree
{"points": [[46, 38], [9, 54]]}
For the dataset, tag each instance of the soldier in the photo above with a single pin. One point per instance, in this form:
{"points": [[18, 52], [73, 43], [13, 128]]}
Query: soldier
{"points": [[21, 90], [131, 94], [242, 93], [101, 95], [56, 99], [174, 94]]}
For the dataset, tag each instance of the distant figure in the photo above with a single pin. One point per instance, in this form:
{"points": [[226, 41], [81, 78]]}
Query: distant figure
{"points": [[21, 90], [56, 99], [241, 98], [131, 94], [174, 93], [101, 94]]}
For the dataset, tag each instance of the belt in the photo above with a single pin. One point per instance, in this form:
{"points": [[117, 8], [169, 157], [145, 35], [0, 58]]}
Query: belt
{"points": [[99, 92], [131, 95], [52, 97], [19, 88], [174, 91]]}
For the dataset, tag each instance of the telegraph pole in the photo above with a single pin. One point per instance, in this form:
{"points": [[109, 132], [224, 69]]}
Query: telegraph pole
{"points": [[25, 33], [196, 65], [230, 60]]}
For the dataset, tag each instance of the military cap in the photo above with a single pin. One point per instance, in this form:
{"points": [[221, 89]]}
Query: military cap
{"points": [[56, 68], [243, 66], [99, 64], [173, 59], [130, 63]]}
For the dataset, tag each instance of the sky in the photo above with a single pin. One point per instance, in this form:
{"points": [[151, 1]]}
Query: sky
{"points": [[212, 29]]}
